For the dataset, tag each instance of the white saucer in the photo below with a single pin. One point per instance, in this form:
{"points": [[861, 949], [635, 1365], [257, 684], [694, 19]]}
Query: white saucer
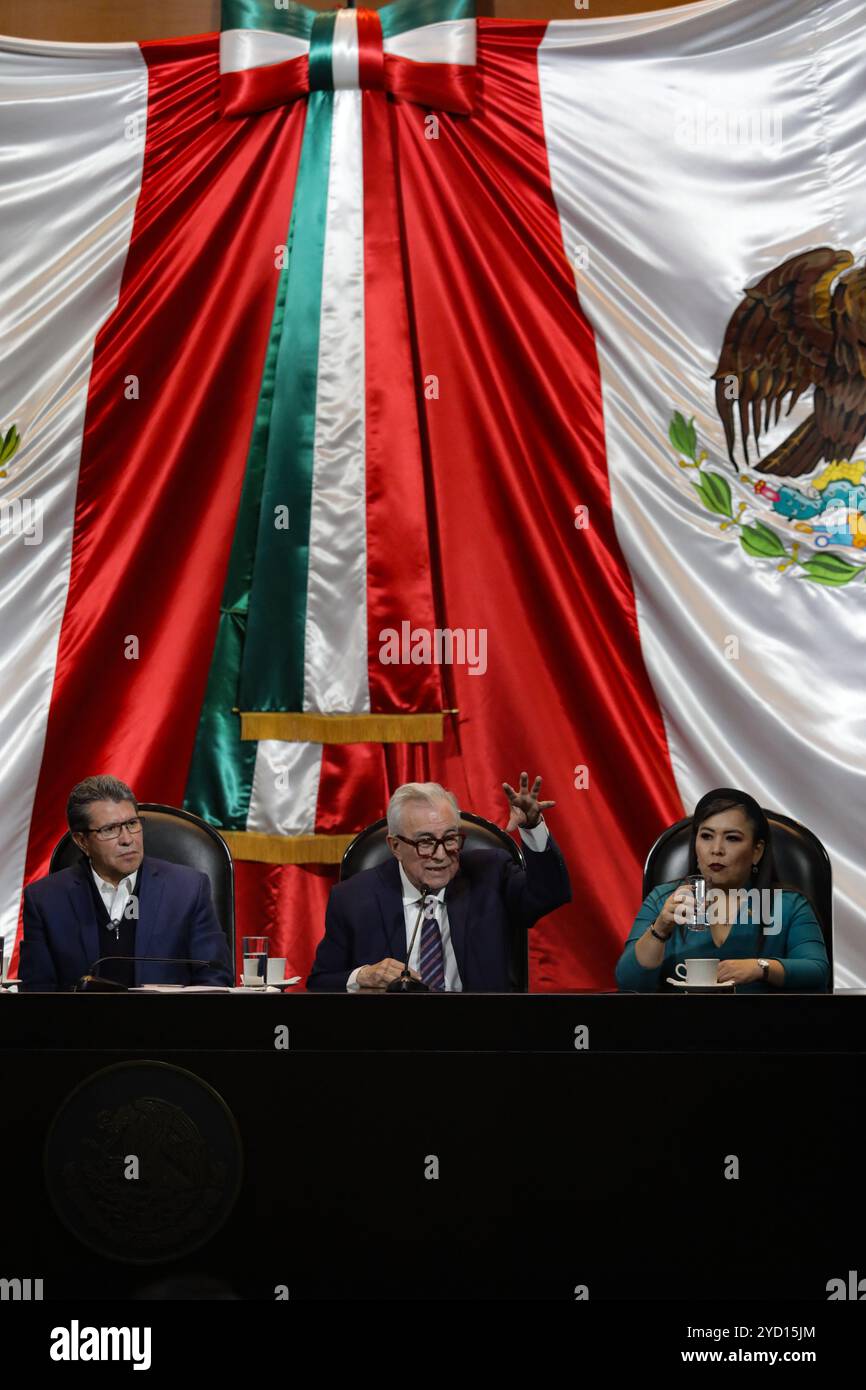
{"points": [[684, 984]]}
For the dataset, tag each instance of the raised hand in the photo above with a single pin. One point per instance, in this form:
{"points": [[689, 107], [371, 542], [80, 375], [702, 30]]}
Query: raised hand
{"points": [[525, 807]]}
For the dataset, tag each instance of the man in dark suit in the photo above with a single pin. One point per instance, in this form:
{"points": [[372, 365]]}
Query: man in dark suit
{"points": [[118, 902], [468, 902]]}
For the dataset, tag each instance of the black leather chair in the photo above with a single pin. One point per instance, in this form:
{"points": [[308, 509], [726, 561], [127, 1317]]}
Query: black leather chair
{"points": [[801, 862], [370, 848], [181, 838]]}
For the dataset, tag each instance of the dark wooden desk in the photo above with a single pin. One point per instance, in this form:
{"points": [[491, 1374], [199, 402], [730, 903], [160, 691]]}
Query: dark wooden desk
{"points": [[558, 1165]]}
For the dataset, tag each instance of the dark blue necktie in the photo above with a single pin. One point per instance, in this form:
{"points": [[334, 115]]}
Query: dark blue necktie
{"points": [[432, 956]]}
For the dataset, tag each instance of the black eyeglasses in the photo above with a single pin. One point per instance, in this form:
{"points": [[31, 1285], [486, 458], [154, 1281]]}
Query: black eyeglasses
{"points": [[427, 845], [112, 831]]}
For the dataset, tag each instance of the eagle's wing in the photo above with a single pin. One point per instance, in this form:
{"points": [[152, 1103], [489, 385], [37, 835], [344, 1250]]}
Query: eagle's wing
{"points": [[779, 341]]}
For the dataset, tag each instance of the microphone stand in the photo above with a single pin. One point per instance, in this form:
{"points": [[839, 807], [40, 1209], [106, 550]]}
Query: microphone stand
{"points": [[405, 984], [102, 984]]}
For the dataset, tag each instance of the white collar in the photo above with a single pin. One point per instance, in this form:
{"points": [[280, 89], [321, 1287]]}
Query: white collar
{"points": [[104, 886], [411, 894]]}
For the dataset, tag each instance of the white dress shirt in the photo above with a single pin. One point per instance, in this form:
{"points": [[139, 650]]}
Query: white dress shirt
{"points": [[115, 898], [535, 841]]}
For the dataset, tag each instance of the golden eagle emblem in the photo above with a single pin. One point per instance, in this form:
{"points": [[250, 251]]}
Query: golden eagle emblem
{"points": [[801, 328]]}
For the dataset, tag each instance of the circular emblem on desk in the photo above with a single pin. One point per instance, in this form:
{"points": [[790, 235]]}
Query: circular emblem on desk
{"points": [[143, 1162]]}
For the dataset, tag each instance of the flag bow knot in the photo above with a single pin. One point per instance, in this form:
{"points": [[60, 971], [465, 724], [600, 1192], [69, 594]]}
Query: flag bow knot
{"points": [[421, 51]]}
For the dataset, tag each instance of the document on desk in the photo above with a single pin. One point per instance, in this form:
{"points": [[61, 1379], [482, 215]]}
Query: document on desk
{"points": [[180, 989]]}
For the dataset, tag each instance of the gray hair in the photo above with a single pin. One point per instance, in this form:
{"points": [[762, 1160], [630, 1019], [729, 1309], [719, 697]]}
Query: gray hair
{"points": [[94, 789], [428, 792]]}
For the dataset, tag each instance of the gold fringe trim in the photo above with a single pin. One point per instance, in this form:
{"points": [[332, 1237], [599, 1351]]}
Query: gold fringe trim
{"points": [[342, 728], [286, 849]]}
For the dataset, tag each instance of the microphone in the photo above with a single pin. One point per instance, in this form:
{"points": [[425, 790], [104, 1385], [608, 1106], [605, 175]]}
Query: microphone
{"points": [[405, 984], [100, 984]]}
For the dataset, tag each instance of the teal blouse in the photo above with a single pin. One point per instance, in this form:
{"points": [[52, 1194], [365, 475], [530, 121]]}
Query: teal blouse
{"points": [[799, 946]]}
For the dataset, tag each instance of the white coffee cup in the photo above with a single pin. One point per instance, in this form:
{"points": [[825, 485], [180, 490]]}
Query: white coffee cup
{"points": [[276, 970], [702, 971]]}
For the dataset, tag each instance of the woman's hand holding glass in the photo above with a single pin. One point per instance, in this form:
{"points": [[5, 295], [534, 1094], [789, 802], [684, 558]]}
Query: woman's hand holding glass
{"points": [[649, 951], [679, 907]]}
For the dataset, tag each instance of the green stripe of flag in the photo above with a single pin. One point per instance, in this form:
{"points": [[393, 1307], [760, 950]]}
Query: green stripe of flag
{"points": [[272, 677], [296, 20], [321, 52], [411, 14], [221, 772]]}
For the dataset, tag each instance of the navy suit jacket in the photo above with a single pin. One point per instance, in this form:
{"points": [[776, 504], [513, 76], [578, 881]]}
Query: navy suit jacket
{"points": [[61, 938], [488, 896]]}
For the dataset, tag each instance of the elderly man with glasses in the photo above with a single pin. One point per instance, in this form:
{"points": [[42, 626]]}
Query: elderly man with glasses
{"points": [[463, 905], [118, 902]]}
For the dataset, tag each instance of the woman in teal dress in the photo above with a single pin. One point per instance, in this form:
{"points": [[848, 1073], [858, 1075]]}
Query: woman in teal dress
{"points": [[731, 847]]}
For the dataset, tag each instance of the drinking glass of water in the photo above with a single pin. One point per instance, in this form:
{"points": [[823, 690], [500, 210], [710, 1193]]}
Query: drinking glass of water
{"points": [[698, 885], [255, 975]]}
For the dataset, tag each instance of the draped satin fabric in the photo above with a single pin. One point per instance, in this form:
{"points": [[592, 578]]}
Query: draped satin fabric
{"points": [[68, 193], [259, 89], [160, 476], [283, 55], [513, 442]]}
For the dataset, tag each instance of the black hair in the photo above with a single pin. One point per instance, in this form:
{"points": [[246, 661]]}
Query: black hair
{"points": [[92, 789]]}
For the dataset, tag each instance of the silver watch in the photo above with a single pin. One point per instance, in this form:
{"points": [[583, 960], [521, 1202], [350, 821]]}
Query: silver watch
{"points": [[765, 966]]}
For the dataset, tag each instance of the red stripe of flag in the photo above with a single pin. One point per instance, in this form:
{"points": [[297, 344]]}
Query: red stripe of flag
{"points": [[516, 442], [399, 572], [371, 66], [259, 89]]}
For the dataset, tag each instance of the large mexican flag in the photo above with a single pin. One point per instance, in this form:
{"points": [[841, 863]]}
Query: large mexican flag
{"points": [[401, 396]]}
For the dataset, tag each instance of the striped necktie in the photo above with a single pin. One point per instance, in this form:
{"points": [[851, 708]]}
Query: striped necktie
{"points": [[432, 957]]}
